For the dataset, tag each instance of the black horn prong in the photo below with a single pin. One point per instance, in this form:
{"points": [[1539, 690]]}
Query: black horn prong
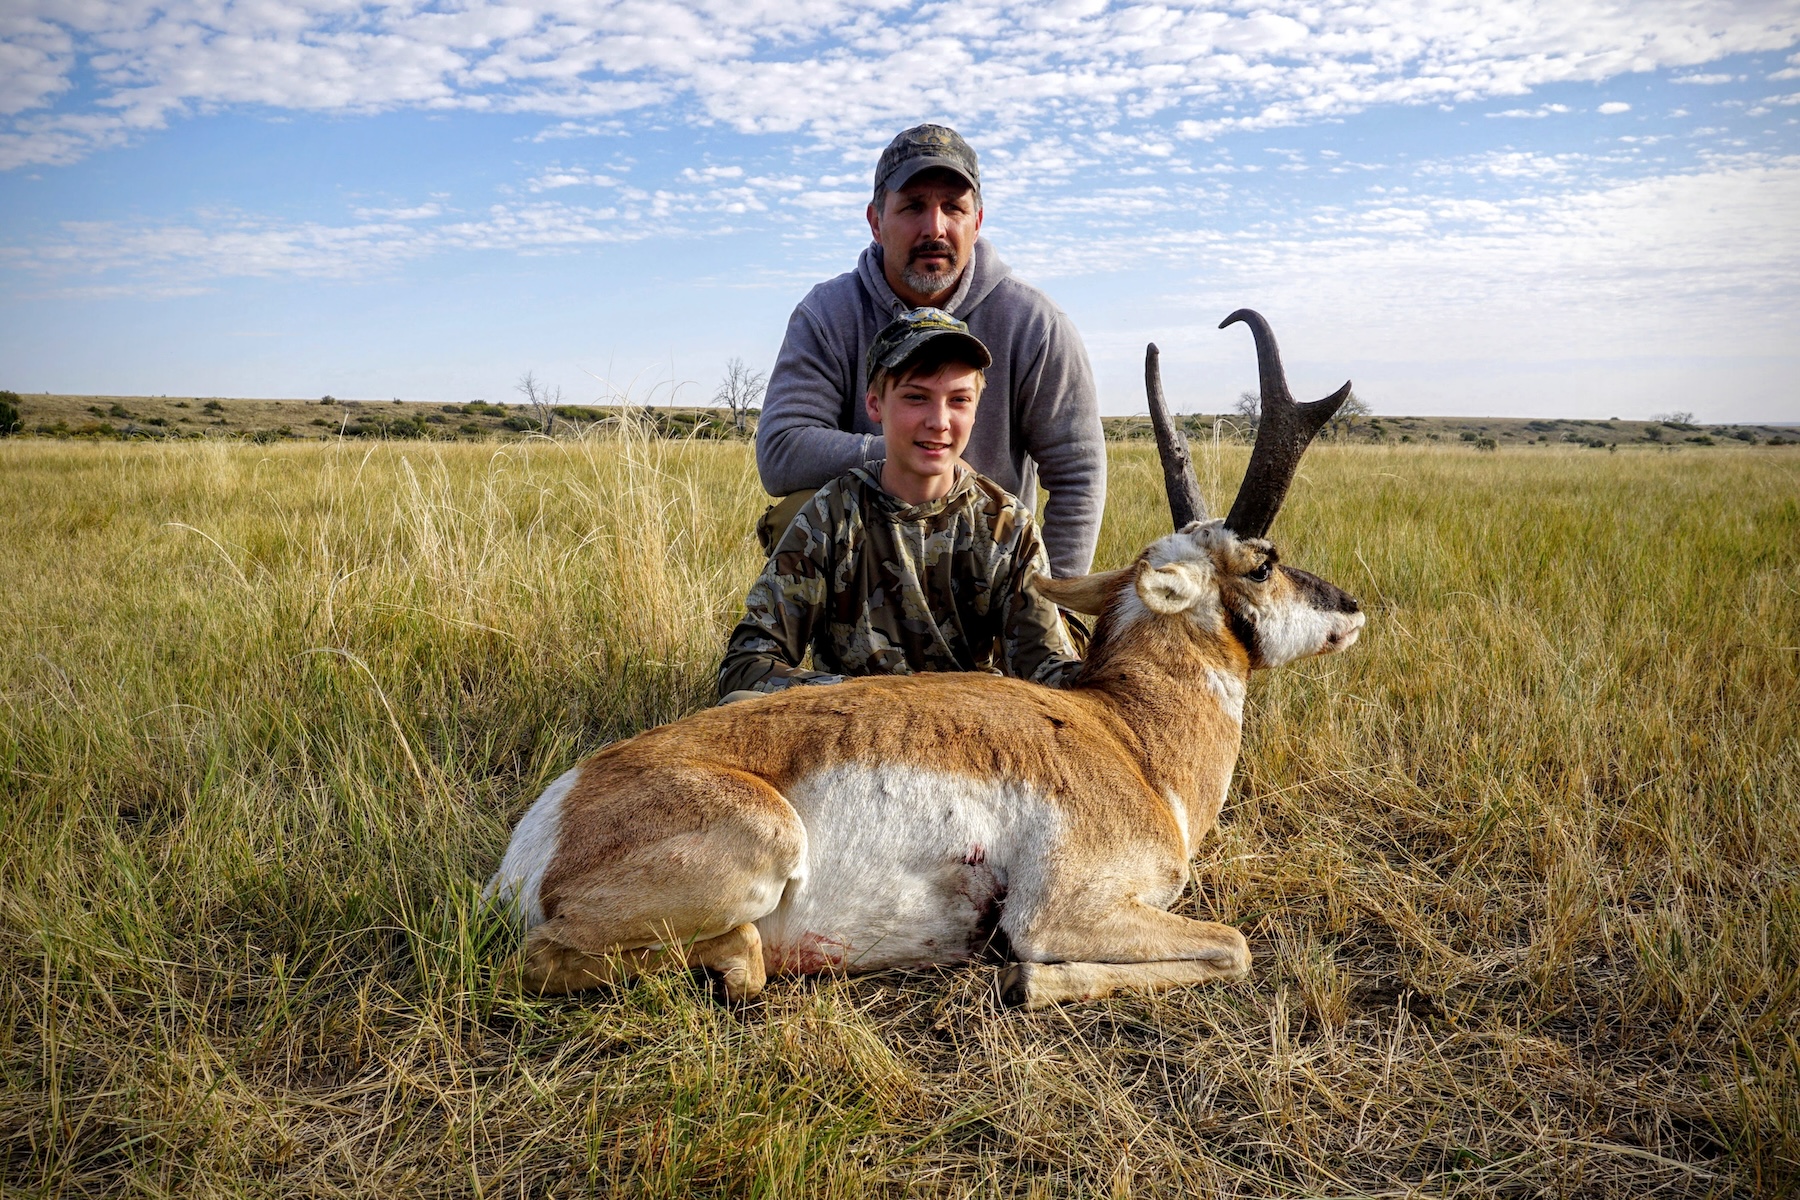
{"points": [[1282, 434], [1185, 504]]}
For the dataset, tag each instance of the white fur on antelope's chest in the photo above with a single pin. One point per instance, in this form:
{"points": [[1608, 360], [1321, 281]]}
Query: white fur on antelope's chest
{"points": [[905, 865]]}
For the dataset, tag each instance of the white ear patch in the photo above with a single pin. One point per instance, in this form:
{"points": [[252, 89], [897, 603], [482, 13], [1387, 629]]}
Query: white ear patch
{"points": [[1169, 589]]}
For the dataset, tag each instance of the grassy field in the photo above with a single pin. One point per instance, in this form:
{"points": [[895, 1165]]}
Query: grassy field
{"points": [[1521, 871]]}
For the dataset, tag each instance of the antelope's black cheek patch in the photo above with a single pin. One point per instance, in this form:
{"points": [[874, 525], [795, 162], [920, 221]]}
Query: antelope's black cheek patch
{"points": [[1245, 632], [1326, 597]]}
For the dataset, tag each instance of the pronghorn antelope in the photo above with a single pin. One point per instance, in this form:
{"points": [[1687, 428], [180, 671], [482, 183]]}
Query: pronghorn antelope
{"points": [[898, 821]]}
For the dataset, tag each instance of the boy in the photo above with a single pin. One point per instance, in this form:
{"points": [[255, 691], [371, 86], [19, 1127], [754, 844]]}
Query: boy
{"points": [[914, 563]]}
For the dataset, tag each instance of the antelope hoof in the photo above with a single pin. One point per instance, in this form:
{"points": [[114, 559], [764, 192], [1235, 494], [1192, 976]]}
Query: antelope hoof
{"points": [[737, 985], [1016, 987]]}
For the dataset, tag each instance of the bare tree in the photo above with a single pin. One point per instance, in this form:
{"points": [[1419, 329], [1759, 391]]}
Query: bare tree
{"points": [[740, 391], [1246, 412], [1344, 421], [543, 399]]}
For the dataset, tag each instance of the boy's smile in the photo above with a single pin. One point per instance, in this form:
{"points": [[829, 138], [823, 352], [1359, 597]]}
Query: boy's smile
{"points": [[926, 421]]}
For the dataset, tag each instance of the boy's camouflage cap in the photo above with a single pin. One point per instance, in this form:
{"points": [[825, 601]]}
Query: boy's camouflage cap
{"points": [[907, 334], [921, 148]]}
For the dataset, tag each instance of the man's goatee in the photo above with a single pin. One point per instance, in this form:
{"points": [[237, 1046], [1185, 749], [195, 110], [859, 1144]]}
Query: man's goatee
{"points": [[929, 283]]}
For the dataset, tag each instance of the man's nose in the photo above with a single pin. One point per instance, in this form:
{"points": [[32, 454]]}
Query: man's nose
{"points": [[936, 223], [938, 416]]}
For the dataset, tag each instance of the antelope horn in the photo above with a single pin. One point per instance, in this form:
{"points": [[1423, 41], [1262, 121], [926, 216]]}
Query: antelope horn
{"points": [[1185, 504], [1282, 434]]}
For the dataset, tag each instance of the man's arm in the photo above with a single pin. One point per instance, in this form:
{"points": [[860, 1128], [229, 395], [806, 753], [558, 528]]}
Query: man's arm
{"points": [[798, 442], [1035, 644], [783, 608], [1059, 417]]}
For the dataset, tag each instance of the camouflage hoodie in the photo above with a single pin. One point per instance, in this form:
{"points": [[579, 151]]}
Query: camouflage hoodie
{"points": [[876, 586]]}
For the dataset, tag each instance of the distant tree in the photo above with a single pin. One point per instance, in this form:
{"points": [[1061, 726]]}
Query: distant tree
{"points": [[542, 398], [740, 391], [9, 414], [1343, 422], [1246, 412]]}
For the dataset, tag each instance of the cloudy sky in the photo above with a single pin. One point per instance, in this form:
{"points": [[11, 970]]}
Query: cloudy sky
{"points": [[1514, 207]]}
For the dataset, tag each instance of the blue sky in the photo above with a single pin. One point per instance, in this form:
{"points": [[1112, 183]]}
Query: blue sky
{"points": [[1561, 209]]}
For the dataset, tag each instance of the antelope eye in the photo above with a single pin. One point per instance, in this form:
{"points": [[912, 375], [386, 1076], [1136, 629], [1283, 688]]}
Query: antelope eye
{"points": [[1261, 574]]}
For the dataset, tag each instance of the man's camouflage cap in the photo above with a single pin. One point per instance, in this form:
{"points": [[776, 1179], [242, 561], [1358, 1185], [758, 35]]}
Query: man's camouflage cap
{"points": [[921, 148], [907, 334]]}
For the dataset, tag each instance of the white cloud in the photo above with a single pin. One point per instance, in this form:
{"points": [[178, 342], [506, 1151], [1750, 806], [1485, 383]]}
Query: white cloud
{"points": [[416, 213], [1613, 108], [166, 258], [578, 129], [36, 59], [832, 71], [180, 257], [1542, 110], [1704, 79], [562, 177], [1697, 264]]}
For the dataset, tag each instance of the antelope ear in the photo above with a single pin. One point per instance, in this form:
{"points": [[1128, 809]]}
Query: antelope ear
{"points": [[1169, 589], [1082, 593]]}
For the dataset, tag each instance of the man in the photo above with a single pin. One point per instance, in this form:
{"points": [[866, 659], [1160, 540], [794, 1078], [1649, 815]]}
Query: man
{"points": [[1042, 422], [913, 563]]}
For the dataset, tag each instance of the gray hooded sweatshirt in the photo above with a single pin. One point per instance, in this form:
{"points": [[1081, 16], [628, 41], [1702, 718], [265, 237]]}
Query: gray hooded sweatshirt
{"points": [[1048, 430]]}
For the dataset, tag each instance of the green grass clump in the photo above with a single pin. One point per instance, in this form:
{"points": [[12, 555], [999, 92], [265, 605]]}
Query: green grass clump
{"points": [[1522, 870]]}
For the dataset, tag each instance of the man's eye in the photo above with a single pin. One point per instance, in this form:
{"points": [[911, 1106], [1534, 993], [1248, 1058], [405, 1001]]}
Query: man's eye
{"points": [[1261, 574]]}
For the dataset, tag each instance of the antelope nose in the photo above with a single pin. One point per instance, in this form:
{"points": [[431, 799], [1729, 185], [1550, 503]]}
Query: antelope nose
{"points": [[1346, 633]]}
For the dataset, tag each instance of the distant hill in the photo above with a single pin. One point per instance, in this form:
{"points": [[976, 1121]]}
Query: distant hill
{"points": [[165, 417], [1482, 432]]}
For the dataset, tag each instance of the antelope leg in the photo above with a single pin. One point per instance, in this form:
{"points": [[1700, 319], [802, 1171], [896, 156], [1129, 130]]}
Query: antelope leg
{"points": [[735, 957], [1031, 985]]}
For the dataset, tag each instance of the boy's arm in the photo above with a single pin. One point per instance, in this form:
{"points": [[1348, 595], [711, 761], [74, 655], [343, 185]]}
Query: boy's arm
{"points": [[1035, 643], [783, 608]]}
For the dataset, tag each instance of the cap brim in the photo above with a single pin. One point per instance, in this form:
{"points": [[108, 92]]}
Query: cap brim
{"points": [[913, 343], [901, 175]]}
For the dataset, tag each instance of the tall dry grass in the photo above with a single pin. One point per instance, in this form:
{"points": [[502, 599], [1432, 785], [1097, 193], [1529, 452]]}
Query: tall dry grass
{"points": [[1521, 870]]}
